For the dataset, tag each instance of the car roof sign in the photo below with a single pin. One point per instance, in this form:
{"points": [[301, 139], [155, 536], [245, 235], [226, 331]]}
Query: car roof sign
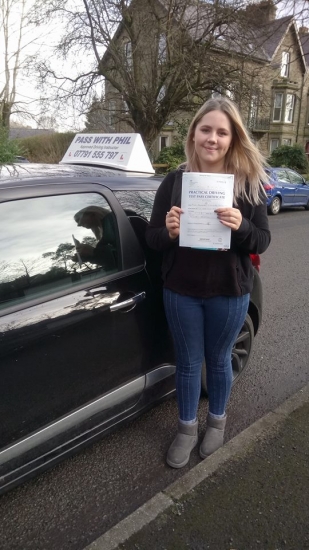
{"points": [[122, 151]]}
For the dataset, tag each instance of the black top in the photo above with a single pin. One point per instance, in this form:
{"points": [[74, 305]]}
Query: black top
{"points": [[206, 273]]}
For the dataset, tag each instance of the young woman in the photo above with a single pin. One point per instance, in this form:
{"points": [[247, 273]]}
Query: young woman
{"points": [[206, 292]]}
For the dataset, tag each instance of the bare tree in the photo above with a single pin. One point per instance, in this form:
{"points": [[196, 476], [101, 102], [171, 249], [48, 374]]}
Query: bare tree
{"points": [[15, 39], [62, 257], [152, 59]]}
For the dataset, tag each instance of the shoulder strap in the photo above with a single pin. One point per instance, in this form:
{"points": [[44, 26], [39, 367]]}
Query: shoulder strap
{"points": [[178, 177]]}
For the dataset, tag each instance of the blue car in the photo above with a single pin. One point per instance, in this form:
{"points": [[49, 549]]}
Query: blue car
{"points": [[285, 188]]}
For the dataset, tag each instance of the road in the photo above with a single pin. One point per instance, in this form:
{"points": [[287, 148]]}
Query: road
{"points": [[71, 505]]}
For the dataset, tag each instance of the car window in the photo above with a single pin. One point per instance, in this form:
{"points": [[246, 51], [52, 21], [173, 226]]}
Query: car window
{"points": [[51, 243], [282, 176], [295, 178], [138, 202]]}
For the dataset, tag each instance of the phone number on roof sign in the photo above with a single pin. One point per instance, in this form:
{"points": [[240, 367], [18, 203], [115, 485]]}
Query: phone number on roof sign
{"points": [[107, 155]]}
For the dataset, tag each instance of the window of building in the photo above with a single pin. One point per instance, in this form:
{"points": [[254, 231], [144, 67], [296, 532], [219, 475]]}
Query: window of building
{"points": [[289, 108], [278, 107], [253, 111], [161, 93], [125, 107], [164, 141], [52, 243], [128, 53], [162, 51], [285, 64], [230, 93], [217, 93], [274, 143], [224, 92], [111, 112], [286, 141]]}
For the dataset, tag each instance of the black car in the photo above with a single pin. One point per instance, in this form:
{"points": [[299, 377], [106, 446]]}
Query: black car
{"points": [[84, 342]]}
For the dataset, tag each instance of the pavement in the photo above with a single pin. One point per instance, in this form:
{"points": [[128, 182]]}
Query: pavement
{"points": [[252, 494]]}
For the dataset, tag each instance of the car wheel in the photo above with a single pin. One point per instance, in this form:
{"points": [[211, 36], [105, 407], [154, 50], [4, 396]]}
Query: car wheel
{"points": [[307, 205], [241, 353], [275, 205]]}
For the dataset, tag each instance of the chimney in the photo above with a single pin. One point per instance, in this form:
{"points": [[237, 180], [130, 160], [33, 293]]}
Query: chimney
{"points": [[263, 12]]}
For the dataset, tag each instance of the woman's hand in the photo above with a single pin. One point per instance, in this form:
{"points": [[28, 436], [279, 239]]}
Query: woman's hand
{"points": [[231, 217], [172, 221]]}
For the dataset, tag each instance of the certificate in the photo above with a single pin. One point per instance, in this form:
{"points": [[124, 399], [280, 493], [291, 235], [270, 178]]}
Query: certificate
{"points": [[201, 195]]}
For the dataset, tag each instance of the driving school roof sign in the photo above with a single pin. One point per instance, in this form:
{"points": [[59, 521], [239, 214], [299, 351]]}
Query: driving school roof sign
{"points": [[122, 151]]}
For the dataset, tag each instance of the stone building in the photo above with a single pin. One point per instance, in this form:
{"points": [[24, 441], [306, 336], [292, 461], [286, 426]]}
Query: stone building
{"points": [[267, 76]]}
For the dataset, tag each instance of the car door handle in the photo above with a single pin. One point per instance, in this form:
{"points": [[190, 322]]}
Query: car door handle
{"points": [[130, 303]]}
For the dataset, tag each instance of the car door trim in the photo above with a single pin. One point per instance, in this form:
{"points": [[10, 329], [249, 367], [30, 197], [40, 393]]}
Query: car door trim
{"points": [[159, 374], [113, 398]]}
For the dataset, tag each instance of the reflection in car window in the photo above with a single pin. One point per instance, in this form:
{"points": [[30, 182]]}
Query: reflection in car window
{"points": [[138, 202], [282, 176], [295, 178], [51, 243]]}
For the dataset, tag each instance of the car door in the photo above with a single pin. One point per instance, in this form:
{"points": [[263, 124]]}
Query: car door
{"points": [[76, 337], [301, 189], [285, 186]]}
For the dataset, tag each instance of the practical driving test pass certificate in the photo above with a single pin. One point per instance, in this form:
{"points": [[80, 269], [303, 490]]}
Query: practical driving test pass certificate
{"points": [[201, 195]]}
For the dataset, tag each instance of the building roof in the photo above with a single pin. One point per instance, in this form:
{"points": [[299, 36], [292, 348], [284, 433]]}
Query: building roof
{"points": [[20, 133], [304, 40], [252, 31], [270, 35]]}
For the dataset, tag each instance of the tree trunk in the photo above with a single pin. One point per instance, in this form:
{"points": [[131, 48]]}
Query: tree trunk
{"points": [[5, 114]]}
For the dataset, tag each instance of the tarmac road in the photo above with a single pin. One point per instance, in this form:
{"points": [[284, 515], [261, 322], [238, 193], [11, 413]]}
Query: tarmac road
{"points": [[76, 502]]}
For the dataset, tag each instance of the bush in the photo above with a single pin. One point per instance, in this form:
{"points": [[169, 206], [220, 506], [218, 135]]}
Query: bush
{"points": [[171, 156], [8, 149], [174, 155], [49, 148], [289, 156]]}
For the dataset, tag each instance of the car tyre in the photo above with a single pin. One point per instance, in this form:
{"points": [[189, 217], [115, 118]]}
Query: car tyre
{"points": [[241, 354], [307, 205], [275, 206]]}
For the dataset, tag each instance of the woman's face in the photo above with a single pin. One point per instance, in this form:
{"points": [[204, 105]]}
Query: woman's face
{"points": [[212, 139], [87, 220]]}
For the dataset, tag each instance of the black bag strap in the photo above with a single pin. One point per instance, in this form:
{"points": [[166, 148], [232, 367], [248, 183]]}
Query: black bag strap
{"points": [[178, 177]]}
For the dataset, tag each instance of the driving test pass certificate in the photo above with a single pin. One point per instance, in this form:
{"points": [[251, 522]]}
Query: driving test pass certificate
{"points": [[201, 195]]}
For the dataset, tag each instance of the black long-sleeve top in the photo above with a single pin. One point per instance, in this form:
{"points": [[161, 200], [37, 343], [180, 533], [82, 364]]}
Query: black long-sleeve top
{"points": [[207, 273]]}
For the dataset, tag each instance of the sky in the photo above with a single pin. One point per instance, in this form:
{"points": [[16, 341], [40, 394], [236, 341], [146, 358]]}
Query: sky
{"points": [[36, 41]]}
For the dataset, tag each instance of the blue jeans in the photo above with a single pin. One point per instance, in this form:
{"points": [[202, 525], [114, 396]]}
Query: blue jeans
{"points": [[204, 327]]}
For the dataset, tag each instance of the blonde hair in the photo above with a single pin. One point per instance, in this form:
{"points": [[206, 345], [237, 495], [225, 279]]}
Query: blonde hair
{"points": [[243, 158], [98, 215]]}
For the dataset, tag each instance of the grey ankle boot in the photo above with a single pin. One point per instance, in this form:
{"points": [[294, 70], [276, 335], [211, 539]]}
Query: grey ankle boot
{"points": [[214, 435], [179, 452]]}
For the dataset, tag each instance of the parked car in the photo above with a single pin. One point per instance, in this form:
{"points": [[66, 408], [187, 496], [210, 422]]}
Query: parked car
{"points": [[84, 343], [20, 159], [286, 188]]}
